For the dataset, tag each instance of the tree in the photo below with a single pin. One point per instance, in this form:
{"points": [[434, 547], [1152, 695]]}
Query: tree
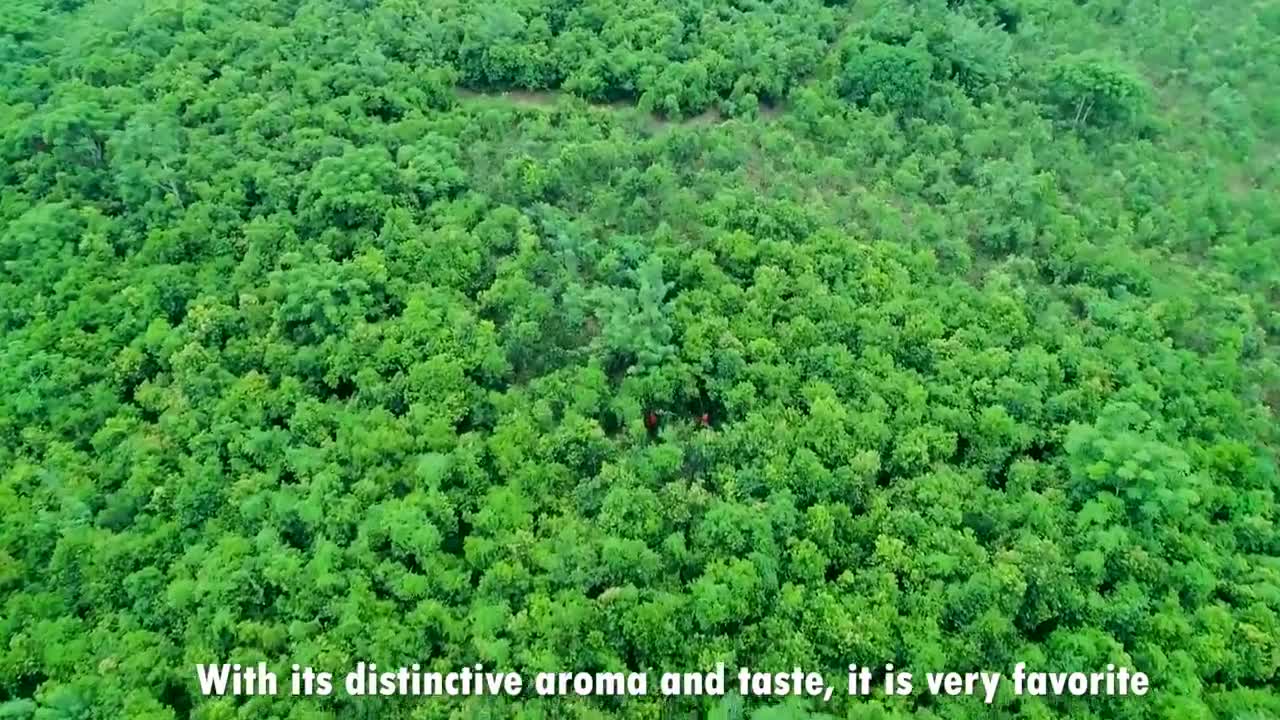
{"points": [[1093, 91], [895, 77]]}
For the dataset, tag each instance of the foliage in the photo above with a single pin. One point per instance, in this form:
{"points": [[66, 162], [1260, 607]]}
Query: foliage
{"points": [[893, 76], [1095, 91], [637, 335]]}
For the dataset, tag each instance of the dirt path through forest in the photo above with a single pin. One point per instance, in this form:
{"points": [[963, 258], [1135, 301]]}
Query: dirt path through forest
{"points": [[546, 99]]}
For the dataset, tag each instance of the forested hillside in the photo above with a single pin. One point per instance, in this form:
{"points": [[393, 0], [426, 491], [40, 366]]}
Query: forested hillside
{"points": [[638, 334]]}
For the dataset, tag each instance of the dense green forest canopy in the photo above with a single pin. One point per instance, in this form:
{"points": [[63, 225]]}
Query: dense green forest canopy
{"points": [[638, 334]]}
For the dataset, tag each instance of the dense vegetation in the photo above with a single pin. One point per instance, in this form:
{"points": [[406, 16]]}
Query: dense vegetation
{"points": [[773, 333]]}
